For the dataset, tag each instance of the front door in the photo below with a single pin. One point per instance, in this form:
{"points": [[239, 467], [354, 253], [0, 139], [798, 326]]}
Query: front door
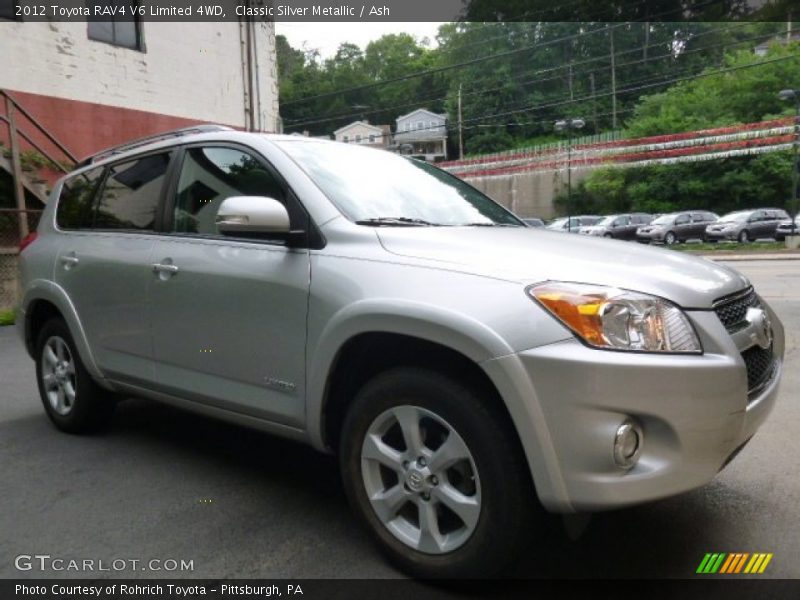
{"points": [[229, 314]]}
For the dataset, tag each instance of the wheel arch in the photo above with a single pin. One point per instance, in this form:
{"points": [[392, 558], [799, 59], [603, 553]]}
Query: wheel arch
{"points": [[44, 300]]}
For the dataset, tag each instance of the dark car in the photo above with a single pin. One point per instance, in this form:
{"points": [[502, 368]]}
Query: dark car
{"points": [[677, 227], [784, 228], [747, 225], [574, 223], [620, 227], [532, 222]]}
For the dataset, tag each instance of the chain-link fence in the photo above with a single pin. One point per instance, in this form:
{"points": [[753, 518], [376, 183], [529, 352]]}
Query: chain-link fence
{"points": [[9, 250]]}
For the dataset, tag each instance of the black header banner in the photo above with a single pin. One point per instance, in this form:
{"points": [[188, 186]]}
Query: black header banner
{"points": [[395, 10]]}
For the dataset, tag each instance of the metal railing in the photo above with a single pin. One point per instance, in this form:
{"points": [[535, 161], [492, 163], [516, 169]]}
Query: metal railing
{"points": [[29, 129]]}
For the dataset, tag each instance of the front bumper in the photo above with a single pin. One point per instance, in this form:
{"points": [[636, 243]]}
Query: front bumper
{"points": [[722, 235], [694, 412], [650, 236]]}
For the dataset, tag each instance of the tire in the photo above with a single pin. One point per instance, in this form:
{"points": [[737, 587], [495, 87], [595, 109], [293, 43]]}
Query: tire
{"points": [[669, 238], [71, 398], [743, 237], [607, 235], [497, 495]]}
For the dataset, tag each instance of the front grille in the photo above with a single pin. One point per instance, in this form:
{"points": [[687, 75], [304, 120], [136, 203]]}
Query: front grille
{"points": [[760, 364], [733, 309]]}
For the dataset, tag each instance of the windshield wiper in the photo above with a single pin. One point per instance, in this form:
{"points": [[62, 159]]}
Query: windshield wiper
{"points": [[395, 221], [490, 225]]}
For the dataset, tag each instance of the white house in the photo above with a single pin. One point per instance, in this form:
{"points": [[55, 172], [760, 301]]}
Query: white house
{"points": [[422, 133], [362, 132]]}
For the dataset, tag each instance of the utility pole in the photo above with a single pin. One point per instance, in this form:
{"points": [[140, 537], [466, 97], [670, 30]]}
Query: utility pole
{"points": [[569, 125], [613, 82], [594, 102], [460, 128], [794, 96]]}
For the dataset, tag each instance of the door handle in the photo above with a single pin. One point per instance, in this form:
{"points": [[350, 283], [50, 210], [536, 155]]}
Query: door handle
{"points": [[162, 268], [69, 260]]}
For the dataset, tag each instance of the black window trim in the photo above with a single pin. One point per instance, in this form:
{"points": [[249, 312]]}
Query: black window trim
{"points": [[314, 241]]}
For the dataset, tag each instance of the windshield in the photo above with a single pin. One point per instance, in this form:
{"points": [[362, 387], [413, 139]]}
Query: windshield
{"points": [[557, 224], [376, 187], [663, 220], [735, 216], [606, 221]]}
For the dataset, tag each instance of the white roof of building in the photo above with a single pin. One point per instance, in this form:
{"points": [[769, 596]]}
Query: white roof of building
{"points": [[377, 128], [422, 110]]}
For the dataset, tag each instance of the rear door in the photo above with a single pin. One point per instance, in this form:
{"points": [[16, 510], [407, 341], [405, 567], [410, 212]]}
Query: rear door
{"points": [[103, 265], [683, 226], [229, 314]]}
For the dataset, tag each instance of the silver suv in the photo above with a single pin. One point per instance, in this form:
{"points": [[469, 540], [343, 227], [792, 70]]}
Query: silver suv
{"points": [[465, 369]]}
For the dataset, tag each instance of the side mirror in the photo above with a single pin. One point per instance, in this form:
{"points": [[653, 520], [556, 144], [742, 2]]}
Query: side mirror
{"points": [[252, 215]]}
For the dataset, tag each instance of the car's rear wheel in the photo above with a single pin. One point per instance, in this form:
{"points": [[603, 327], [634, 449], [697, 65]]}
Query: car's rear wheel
{"points": [[744, 236], [670, 238], [435, 471], [607, 235], [71, 398]]}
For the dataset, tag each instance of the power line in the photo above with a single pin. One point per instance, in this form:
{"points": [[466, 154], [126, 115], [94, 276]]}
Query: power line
{"points": [[606, 94], [545, 70], [605, 28]]}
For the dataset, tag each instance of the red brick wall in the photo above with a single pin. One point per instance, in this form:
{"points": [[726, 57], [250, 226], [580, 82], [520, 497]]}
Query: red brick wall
{"points": [[83, 128]]}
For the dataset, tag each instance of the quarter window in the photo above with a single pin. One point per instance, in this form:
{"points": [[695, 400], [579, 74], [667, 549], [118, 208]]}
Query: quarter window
{"points": [[75, 203], [130, 197], [209, 175]]}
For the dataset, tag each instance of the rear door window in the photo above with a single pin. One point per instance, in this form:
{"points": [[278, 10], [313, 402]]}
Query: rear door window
{"points": [[131, 196], [75, 203]]}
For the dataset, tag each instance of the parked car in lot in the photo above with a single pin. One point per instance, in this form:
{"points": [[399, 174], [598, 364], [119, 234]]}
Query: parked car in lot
{"points": [[619, 227], [532, 222], [573, 224], [785, 229], [676, 227], [458, 364], [747, 225]]}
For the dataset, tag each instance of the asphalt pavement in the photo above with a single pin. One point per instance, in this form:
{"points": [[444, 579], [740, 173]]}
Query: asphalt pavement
{"points": [[164, 484]]}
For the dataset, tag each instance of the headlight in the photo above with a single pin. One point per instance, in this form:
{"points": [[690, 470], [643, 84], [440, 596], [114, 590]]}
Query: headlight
{"points": [[615, 319]]}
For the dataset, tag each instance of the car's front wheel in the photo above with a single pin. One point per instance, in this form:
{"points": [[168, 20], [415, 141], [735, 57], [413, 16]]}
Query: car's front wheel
{"points": [[670, 238], [71, 398], [435, 471], [744, 236]]}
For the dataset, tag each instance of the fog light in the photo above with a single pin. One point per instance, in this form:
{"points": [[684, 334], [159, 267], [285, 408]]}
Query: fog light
{"points": [[628, 444]]}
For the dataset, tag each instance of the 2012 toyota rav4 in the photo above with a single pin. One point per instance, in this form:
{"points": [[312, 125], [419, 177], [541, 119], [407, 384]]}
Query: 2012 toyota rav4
{"points": [[465, 368]]}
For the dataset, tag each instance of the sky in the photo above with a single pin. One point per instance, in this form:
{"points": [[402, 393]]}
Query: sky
{"points": [[327, 36]]}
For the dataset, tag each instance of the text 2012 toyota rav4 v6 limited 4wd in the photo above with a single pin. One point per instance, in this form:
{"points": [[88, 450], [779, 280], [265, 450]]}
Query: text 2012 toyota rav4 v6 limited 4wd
{"points": [[465, 368]]}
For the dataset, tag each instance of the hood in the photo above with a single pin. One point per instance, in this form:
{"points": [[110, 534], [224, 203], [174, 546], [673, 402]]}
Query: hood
{"points": [[532, 255]]}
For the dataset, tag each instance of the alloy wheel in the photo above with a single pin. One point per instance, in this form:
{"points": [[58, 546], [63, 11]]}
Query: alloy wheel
{"points": [[421, 479], [58, 375]]}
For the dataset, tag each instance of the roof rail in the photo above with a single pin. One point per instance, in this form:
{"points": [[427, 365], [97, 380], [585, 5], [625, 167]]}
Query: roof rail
{"points": [[151, 139]]}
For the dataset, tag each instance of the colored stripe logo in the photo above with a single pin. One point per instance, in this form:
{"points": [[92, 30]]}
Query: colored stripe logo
{"points": [[734, 562]]}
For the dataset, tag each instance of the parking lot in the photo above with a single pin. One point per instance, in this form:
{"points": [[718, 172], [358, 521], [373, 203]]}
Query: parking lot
{"points": [[164, 484]]}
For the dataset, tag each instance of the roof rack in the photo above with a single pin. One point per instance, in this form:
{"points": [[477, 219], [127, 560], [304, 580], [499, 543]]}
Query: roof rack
{"points": [[151, 139]]}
